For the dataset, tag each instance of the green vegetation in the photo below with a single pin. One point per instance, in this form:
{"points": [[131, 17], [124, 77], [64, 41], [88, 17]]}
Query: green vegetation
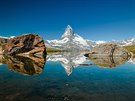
{"points": [[130, 48], [53, 50]]}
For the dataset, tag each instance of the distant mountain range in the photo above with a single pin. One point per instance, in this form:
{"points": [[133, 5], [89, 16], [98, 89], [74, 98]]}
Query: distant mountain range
{"points": [[72, 41]]}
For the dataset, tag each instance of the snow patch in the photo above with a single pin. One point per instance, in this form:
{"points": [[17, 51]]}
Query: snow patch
{"points": [[100, 42], [4, 37]]}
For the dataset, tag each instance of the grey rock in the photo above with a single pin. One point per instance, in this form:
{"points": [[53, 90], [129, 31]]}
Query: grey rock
{"points": [[109, 50]]}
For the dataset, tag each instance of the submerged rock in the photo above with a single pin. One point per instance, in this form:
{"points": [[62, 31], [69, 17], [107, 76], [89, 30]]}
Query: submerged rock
{"points": [[31, 44]]}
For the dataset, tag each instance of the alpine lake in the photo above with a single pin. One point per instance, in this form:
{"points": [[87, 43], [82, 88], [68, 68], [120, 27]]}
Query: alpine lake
{"points": [[67, 76]]}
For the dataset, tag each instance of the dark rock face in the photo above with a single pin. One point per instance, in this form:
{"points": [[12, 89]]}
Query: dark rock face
{"points": [[109, 50], [26, 65], [25, 44]]}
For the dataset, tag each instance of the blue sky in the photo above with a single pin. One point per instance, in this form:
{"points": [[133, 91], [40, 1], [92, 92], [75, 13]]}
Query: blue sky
{"points": [[92, 19]]}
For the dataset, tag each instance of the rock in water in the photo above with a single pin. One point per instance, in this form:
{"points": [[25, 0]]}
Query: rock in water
{"points": [[108, 55], [31, 44], [109, 50]]}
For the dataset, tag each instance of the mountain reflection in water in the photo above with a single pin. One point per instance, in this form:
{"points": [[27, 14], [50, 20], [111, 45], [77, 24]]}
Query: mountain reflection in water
{"points": [[72, 60], [29, 65], [87, 83]]}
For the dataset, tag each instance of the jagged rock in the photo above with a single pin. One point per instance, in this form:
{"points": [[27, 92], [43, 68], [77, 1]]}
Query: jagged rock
{"points": [[29, 65], [25, 44], [109, 50]]}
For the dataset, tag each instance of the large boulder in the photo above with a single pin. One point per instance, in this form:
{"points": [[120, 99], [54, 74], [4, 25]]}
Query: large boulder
{"points": [[108, 55], [31, 44], [109, 50]]}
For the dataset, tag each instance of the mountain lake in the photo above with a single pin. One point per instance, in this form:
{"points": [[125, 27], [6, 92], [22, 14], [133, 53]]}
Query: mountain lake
{"points": [[67, 77]]}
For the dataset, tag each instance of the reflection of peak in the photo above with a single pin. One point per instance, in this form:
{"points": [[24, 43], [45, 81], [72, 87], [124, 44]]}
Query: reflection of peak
{"points": [[68, 60], [68, 32], [68, 69]]}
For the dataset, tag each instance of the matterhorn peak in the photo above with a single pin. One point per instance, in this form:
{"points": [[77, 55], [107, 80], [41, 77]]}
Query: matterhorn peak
{"points": [[68, 27], [68, 31]]}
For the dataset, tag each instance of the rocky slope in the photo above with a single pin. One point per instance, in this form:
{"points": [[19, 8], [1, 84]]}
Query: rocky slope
{"points": [[31, 44]]}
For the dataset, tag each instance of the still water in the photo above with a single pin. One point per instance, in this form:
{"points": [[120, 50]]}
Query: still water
{"points": [[67, 77]]}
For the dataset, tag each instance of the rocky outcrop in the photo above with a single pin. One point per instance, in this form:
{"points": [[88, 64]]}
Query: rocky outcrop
{"points": [[31, 44], [108, 55], [26, 65], [109, 50]]}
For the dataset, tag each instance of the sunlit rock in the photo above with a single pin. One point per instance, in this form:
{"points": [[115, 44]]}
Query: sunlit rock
{"points": [[25, 44]]}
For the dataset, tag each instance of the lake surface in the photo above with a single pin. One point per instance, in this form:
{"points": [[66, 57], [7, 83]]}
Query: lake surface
{"points": [[67, 77]]}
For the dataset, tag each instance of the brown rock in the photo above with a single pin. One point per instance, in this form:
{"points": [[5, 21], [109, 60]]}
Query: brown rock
{"points": [[25, 44]]}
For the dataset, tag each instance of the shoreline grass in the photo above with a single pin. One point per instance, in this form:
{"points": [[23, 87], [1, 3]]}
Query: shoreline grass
{"points": [[51, 50], [130, 48]]}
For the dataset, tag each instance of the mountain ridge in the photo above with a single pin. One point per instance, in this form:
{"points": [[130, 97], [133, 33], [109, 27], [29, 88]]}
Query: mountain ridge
{"points": [[69, 41], [72, 41]]}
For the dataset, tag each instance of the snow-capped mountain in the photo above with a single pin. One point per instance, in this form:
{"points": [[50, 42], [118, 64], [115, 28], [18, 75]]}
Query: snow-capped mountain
{"points": [[4, 37], [69, 41], [127, 42]]}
